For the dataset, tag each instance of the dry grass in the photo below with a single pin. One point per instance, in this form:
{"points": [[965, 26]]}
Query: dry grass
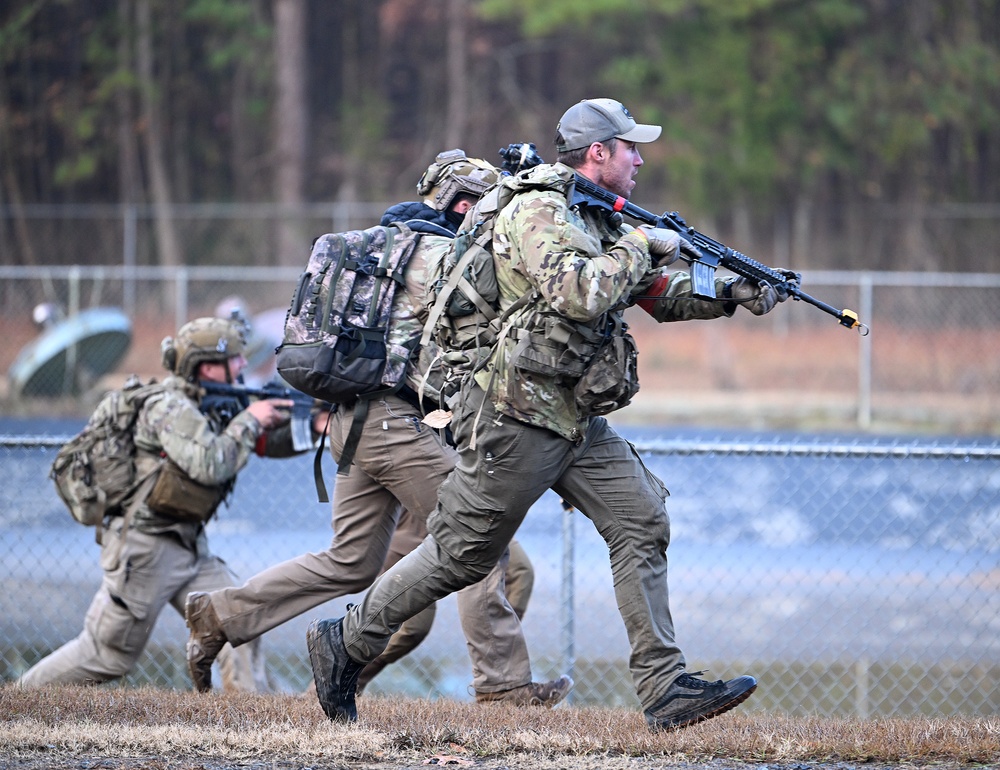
{"points": [[111, 728]]}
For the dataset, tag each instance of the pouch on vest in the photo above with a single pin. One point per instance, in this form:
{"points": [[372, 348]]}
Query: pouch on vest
{"points": [[177, 496], [612, 378]]}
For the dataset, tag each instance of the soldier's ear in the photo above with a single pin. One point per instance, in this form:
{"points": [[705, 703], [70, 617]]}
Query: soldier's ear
{"points": [[598, 152]]}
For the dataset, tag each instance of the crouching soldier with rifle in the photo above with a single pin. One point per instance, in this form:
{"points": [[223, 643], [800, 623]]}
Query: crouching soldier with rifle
{"points": [[156, 552]]}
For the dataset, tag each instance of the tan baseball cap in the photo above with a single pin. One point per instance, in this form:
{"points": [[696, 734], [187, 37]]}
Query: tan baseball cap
{"points": [[597, 120]]}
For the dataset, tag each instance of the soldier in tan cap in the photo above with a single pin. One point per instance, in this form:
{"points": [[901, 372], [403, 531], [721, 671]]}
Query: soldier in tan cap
{"points": [[531, 420]]}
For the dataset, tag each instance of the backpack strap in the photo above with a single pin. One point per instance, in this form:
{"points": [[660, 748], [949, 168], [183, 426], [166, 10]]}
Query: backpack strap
{"points": [[422, 377], [505, 326], [441, 302], [381, 273], [358, 423], [360, 413], [353, 436]]}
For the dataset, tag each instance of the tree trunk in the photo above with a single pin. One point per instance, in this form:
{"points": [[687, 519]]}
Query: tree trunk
{"points": [[243, 187], [160, 193], [289, 124], [350, 87], [802, 232], [10, 183], [129, 183], [458, 76]]}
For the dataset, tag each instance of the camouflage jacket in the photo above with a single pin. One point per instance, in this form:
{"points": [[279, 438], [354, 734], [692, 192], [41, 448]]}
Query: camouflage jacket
{"points": [[170, 425], [580, 272]]}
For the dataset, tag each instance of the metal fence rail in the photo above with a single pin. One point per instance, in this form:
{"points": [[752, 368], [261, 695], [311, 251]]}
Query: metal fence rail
{"points": [[851, 577], [927, 359]]}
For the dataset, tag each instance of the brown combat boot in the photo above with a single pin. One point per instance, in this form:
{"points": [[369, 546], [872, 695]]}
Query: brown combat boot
{"points": [[206, 640], [546, 694]]}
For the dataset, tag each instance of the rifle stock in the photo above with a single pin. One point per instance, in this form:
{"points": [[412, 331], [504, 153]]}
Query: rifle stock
{"points": [[713, 253]]}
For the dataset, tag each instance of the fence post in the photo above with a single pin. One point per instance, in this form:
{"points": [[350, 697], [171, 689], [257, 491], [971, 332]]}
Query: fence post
{"points": [[865, 291], [862, 686], [69, 374], [129, 240], [567, 594], [181, 297]]}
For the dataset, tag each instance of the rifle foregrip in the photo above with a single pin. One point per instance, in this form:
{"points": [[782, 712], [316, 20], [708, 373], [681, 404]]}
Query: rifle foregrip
{"points": [[751, 268]]}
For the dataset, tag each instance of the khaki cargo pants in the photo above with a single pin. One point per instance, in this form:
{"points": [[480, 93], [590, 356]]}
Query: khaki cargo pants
{"points": [[399, 465], [142, 574], [484, 501]]}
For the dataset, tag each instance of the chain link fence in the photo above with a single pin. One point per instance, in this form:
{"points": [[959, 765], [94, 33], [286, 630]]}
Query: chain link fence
{"points": [[926, 365], [851, 574], [853, 577]]}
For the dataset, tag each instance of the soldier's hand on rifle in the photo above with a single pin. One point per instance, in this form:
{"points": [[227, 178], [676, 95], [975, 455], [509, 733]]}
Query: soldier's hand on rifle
{"points": [[321, 421], [792, 278], [758, 298], [271, 412], [664, 245]]}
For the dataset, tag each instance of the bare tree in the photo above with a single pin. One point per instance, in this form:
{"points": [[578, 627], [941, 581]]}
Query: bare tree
{"points": [[160, 188], [458, 77], [128, 160], [290, 117]]}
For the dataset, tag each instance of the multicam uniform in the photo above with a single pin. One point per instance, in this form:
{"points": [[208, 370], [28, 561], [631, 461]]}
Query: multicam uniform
{"points": [[583, 274], [153, 559], [380, 510], [533, 435]]}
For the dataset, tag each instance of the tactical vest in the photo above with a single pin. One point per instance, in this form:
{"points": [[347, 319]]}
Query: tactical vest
{"points": [[597, 359]]}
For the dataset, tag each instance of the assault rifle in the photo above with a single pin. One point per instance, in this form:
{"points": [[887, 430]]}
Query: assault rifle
{"points": [[518, 157], [229, 400]]}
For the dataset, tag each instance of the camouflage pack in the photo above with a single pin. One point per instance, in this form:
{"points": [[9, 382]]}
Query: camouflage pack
{"points": [[339, 344], [94, 472]]}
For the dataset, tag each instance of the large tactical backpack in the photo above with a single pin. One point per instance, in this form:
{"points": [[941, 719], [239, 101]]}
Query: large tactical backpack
{"points": [[94, 472], [338, 343]]}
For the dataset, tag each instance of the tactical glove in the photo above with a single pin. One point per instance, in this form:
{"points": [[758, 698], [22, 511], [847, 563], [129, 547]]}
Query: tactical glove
{"points": [[664, 245], [793, 278], [758, 298]]}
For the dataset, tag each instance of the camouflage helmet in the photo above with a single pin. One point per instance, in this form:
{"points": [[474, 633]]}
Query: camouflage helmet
{"points": [[452, 173], [204, 339]]}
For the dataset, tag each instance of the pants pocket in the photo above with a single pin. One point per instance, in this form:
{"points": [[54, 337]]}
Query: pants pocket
{"points": [[116, 627], [133, 582]]}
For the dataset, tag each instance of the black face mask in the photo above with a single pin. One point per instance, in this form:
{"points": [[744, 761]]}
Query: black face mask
{"points": [[454, 218]]}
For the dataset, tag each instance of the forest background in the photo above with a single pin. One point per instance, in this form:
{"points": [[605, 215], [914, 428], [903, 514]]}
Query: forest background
{"points": [[784, 120]]}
